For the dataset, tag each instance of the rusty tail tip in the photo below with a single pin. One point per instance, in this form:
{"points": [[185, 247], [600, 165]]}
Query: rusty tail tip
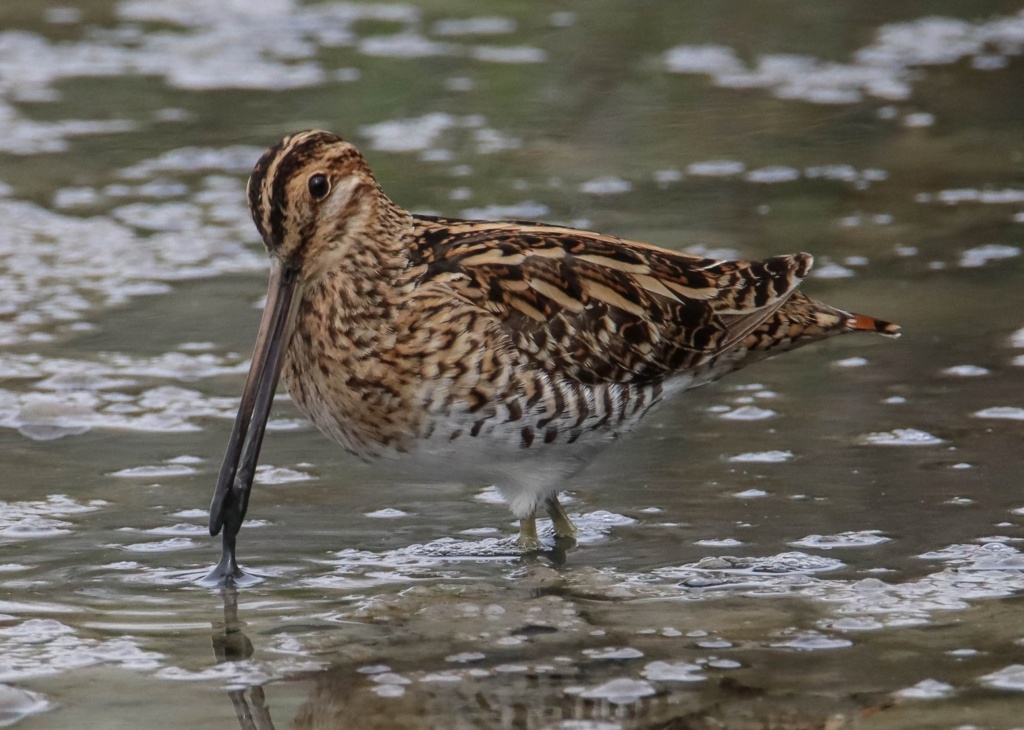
{"points": [[862, 323]]}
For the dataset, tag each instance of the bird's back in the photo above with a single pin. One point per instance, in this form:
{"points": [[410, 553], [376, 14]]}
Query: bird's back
{"points": [[600, 309]]}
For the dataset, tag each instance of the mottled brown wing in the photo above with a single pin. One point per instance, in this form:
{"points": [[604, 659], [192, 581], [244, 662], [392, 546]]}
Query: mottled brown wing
{"points": [[598, 308]]}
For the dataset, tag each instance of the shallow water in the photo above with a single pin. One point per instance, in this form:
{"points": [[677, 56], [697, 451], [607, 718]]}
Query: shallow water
{"points": [[830, 539]]}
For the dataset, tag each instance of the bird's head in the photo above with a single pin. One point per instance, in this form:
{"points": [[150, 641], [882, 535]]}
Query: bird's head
{"points": [[311, 196]]}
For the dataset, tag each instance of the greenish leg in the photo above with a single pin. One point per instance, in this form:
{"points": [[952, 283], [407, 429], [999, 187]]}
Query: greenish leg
{"points": [[564, 528], [528, 539]]}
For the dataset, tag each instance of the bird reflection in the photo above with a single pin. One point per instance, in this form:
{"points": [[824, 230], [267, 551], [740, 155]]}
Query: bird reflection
{"points": [[424, 691], [230, 644]]}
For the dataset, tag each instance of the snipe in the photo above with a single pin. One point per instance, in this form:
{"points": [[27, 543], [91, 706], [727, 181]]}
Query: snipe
{"points": [[507, 353]]}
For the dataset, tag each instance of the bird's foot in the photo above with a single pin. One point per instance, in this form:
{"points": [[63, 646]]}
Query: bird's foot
{"points": [[227, 572], [565, 530], [529, 544], [564, 542], [528, 540]]}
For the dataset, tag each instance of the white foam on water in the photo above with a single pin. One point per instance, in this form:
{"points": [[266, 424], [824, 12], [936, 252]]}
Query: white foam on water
{"points": [[984, 196], [483, 25], [1017, 338], [859, 538], [832, 270], [763, 457], [884, 69], [263, 44], [390, 678], [38, 647], [407, 44], [722, 542], [843, 172], [111, 370], [715, 168], [466, 657], [707, 59], [164, 409], [509, 54], [991, 556], [232, 159], [614, 653], [387, 513], [606, 185], [527, 210], [423, 134], [172, 544], [181, 529], [156, 471], [926, 689], [43, 518], [748, 413], [59, 269], [966, 371], [981, 255], [1008, 678], [1010, 413], [813, 641], [622, 691], [773, 175], [239, 674], [673, 672], [407, 135], [916, 120], [16, 704], [900, 437], [270, 475]]}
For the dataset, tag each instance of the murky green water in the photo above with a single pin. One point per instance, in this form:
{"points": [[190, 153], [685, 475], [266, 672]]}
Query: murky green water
{"points": [[831, 539]]}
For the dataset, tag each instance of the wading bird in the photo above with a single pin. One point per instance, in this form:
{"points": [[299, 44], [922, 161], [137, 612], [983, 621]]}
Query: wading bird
{"points": [[508, 353]]}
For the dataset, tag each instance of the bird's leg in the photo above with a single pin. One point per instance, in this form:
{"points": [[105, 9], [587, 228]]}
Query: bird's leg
{"points": [[226, 572], [528, 539], [564, 528]]}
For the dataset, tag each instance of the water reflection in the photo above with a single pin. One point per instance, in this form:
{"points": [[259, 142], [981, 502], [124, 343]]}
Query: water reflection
{"points": [[472, 691], [230, 644], [549, 647]]}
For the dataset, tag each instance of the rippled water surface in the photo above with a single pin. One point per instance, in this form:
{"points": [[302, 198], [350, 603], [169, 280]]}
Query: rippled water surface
{"points": [[830, 539]]}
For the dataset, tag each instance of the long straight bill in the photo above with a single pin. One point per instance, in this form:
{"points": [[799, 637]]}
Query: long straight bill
{"points": [[231, 498]]}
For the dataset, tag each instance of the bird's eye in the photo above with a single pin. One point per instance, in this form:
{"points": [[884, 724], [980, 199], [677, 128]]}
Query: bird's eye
{"points": [[319, 186]]}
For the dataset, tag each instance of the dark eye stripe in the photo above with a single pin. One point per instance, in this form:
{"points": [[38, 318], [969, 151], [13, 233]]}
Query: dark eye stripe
{"points": [[268, 184], [257, 192]]}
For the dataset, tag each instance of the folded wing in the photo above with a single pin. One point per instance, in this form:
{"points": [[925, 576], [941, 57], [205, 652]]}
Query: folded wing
{"points": [[601, 309]]}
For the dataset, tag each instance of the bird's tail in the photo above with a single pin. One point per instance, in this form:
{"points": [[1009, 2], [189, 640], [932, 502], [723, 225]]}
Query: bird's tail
{"points": [[803, 319], [863, 323], [800, 321]]}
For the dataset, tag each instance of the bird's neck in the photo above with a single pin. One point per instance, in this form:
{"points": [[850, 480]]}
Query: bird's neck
{"points": [[346, 323], [362, 282]]}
